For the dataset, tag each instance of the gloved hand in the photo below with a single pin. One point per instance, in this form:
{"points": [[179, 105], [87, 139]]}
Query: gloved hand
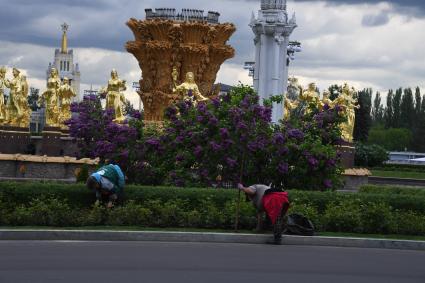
{"points": [[240, 186]]}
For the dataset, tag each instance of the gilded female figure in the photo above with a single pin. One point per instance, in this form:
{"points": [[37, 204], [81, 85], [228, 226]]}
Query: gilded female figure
{"points": [[187, 87], [13, 106], [114, 96], [3, 113], [50, 97], [65, 94], [347, 104]]}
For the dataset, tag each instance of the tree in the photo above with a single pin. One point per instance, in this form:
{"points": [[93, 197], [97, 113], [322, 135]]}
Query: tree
{"points": [[396, 102], [334, 91], [363, 119], [33, 98], [418, 143], [391, 139], [418, 101], [388, 115], [407, 110], [377, 110]]}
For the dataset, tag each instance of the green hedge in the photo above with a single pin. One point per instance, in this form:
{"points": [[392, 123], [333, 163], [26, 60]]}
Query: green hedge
{"points": [[401, 167], [370, 211], [394, 190]]}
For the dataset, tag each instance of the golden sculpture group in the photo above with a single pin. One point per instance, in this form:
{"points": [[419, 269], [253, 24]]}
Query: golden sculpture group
{"points": [[57, 98], [311, 97], [173, 55], [16, 111]]}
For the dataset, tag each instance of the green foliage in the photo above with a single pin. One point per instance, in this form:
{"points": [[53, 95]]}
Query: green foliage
{"points": [[370, 155], [394, 190], [83, 174], [373, 210], [363, 119], [377, 110], [391, 139], [402, 167], [343, 216]]}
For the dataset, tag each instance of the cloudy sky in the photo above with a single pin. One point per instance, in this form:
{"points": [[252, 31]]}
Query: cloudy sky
{"points": [[368, 43]]}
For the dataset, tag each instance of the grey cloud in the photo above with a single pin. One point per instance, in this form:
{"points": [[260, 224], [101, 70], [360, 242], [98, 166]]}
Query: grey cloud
{"points": [[372, 20]]}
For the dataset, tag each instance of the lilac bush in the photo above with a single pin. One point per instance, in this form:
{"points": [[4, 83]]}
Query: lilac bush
{"points": [[98, 136], [227, 139]]}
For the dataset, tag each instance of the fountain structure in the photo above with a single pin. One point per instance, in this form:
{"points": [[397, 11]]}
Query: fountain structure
{"points": [[167, 43]]}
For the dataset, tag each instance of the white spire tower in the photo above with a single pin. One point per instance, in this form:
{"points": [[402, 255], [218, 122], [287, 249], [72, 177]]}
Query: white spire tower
{"points": [[272, 29]]}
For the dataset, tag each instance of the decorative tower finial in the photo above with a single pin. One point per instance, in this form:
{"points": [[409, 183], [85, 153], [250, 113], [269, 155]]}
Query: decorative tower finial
{"points": [[64, 27], [273, 4]]}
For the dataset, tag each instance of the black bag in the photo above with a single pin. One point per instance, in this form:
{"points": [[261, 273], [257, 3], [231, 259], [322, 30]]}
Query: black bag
{"points": [[299, 225]]}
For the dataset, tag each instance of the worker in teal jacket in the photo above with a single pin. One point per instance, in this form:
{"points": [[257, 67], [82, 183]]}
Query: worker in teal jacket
{"points": [[107, 182]]}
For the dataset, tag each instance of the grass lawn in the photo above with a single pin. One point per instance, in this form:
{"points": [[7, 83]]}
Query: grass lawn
{"points": [[138, 228], [373, 236], [398, 174]]}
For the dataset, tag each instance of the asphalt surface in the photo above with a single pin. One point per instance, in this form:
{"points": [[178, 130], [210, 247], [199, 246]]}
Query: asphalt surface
{"points": [[65, 261]]}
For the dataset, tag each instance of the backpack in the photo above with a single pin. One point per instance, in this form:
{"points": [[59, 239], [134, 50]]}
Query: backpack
{"points": [[298, 224]]}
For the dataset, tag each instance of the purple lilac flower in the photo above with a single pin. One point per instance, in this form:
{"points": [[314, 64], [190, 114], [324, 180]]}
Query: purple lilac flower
{"points": [[153, 142], [252, 146], [278, 138], [226, 97], [245, 102], [282, 150], [327, 183], [179, 157], [215, 146], [213, 121], [231, 162], [241, 126], [197, 151], [313, 162], [295, 133], [137, 115], [224, 133], [201, 107], [179, 139], [215, 102], [227, 143], [282, 168]]}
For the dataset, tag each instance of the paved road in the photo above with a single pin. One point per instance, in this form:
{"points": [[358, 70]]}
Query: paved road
{"points": [[119, 262]]}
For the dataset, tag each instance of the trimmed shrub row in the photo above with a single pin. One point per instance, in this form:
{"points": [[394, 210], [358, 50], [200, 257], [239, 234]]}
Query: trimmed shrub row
{"points": [[401, 167], [78, 196], [347, 216], [394, 190]]}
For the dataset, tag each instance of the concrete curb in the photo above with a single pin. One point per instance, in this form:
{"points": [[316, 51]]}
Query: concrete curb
{"points": [[95, 235]]}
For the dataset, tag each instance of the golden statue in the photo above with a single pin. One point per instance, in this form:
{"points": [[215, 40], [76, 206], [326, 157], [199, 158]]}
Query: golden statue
{"points": [[310, 94], [188, 89], [65, 94], [24, 119], [294, 88], [348, 104], [114, 96], [50, 97], [13, 105], [326, 100], [289, 106], [3, 110]]}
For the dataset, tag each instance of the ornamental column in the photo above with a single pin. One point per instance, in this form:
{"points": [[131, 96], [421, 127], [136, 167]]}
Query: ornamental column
{"points": [[272, 30]]}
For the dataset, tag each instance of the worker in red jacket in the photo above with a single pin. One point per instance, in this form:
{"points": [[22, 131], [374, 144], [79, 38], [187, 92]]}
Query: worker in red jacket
{"points": [[272, 201]]}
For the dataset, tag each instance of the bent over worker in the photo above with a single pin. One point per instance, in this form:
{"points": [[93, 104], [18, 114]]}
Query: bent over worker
{"points": [[108, 182], [272, 201]]}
